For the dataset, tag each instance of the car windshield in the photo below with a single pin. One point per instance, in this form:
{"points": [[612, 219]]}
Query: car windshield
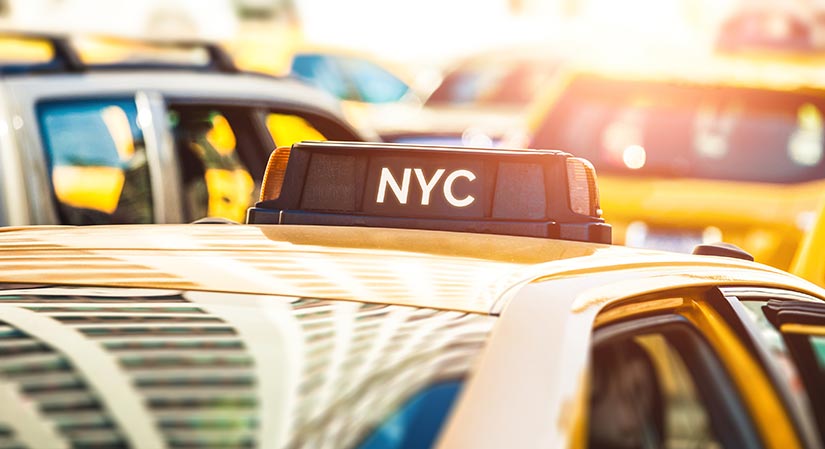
{"points": [[642, 129], [349, 78], [125, 367], [493, 82]]}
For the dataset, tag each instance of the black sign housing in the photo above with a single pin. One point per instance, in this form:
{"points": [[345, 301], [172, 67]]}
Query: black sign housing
{"points": [[516, 192]]}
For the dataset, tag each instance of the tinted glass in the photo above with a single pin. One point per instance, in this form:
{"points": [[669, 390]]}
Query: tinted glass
{"points": [[374, 84], [714, 132], [417, 423], [324, 73], [97, 161], [643, 396], [216, 149], [795, 333], [286, 129], [286, 125], [226, 370], [817, 343]]}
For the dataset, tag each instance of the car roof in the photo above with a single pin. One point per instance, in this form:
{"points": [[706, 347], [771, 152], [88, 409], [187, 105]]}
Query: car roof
{"points": [[435, 269], [754, 71], [232, 88], [178, 82]]}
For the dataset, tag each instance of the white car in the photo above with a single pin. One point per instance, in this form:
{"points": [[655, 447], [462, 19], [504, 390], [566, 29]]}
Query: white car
{"points": [[172, 136]]}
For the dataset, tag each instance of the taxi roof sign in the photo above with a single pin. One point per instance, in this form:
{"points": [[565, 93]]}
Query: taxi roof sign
{"points": [[537, 193]]}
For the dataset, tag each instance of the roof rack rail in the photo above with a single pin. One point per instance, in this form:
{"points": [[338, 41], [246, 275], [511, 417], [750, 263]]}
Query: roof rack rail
{"points": [[66, 54]]}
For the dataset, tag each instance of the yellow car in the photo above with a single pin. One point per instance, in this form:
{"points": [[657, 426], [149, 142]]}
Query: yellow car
{"points": [[707, 150], [404, 297]]}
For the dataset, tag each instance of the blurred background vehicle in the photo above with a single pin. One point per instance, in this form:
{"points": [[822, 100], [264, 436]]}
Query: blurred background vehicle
{"points": [[756, 157], [374, 93], [482, 100], [100, 131], [722, 149], [763, 27]]}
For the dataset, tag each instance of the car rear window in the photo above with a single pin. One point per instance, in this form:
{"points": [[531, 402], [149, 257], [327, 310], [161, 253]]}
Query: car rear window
{"points": [[642, 129], [233, 371]]}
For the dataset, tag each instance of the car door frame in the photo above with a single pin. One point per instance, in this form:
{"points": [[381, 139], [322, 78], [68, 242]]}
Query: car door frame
{"points": [[547, 322], [707, 311], [723, 400], [12, 210], [751, 334], [33, 157]]}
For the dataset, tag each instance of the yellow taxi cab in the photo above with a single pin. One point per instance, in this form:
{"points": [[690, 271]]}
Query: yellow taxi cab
{"points": [[399, 296], [705, 149]]}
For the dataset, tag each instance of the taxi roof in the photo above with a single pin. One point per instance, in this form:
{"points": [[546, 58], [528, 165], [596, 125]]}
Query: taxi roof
{"points": [[435, 269]]}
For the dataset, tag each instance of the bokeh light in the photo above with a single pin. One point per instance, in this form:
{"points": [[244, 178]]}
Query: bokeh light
{"points": [[634, 157]]}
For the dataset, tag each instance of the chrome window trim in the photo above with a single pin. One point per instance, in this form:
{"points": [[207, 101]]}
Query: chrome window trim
{"points": [[766, 292], [164, 170]]}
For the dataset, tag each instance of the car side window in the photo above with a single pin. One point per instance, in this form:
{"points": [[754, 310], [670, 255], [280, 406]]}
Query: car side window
{"points": [[221, 160], [287, 126], [286, 129], [794, 330], [97, 161], [643, 396], [659, 387]]}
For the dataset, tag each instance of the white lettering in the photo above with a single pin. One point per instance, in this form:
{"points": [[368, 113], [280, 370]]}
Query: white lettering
{"points": [[427, 187], [448, 188], [400, 192]]}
